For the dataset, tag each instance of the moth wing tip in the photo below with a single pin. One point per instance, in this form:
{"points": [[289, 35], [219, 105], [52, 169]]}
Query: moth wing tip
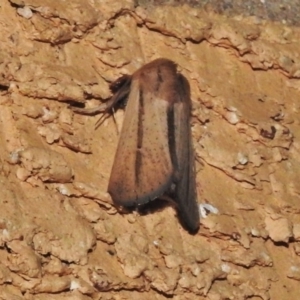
{"points": [[192, 226]]}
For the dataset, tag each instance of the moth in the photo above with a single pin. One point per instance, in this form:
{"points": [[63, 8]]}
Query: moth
{"points": [[154, 156]]}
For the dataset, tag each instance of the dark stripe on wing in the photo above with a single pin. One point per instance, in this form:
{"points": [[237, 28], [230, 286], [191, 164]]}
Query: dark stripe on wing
{"points": [[138, 161], [171, 139]]}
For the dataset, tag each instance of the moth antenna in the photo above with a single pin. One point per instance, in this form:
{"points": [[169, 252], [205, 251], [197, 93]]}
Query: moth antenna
{"points": [[100, 121], [105, 116]]}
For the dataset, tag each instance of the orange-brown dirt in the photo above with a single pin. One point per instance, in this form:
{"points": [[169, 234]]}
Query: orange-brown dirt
{"points": [[60, 235]]}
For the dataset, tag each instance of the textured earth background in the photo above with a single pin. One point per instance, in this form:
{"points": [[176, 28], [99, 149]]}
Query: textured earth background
{"points": [[60, 235]]}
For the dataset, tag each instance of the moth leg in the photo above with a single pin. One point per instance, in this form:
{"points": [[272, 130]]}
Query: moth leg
{"points": [[91, 111]]}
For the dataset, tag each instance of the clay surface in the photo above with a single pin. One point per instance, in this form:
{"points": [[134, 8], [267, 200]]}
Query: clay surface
{"points": [[61, 237]]}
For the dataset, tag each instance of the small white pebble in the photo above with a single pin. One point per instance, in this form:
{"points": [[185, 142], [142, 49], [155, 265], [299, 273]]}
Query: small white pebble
{"points": [[5, 233], [74, 285], [231, 108], [155, 243], [242, 158], [232, 117], [255, 232], [48, 116], [46, 111], [267, 258], [204, 208], [195, 270], [63, 190], [294, 268], [25, 12], [13, 87], [14, 157], [225, 268]]}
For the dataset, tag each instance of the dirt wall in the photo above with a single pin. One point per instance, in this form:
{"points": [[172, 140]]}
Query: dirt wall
{"points": [[61, 236]]}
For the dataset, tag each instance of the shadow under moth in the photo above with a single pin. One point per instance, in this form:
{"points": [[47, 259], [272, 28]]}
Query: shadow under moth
{"points": [[155, 154]]}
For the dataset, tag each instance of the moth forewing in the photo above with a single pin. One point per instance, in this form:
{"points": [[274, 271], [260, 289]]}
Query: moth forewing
{"points": [[122, 179], [154, 169], [185, 194], [142, 168]]}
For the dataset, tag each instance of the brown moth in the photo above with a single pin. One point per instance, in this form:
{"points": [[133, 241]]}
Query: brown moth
{"points": [[155, 153]]}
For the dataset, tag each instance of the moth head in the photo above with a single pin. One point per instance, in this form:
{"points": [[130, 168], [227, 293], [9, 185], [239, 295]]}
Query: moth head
{"points": [[120, 88]]}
